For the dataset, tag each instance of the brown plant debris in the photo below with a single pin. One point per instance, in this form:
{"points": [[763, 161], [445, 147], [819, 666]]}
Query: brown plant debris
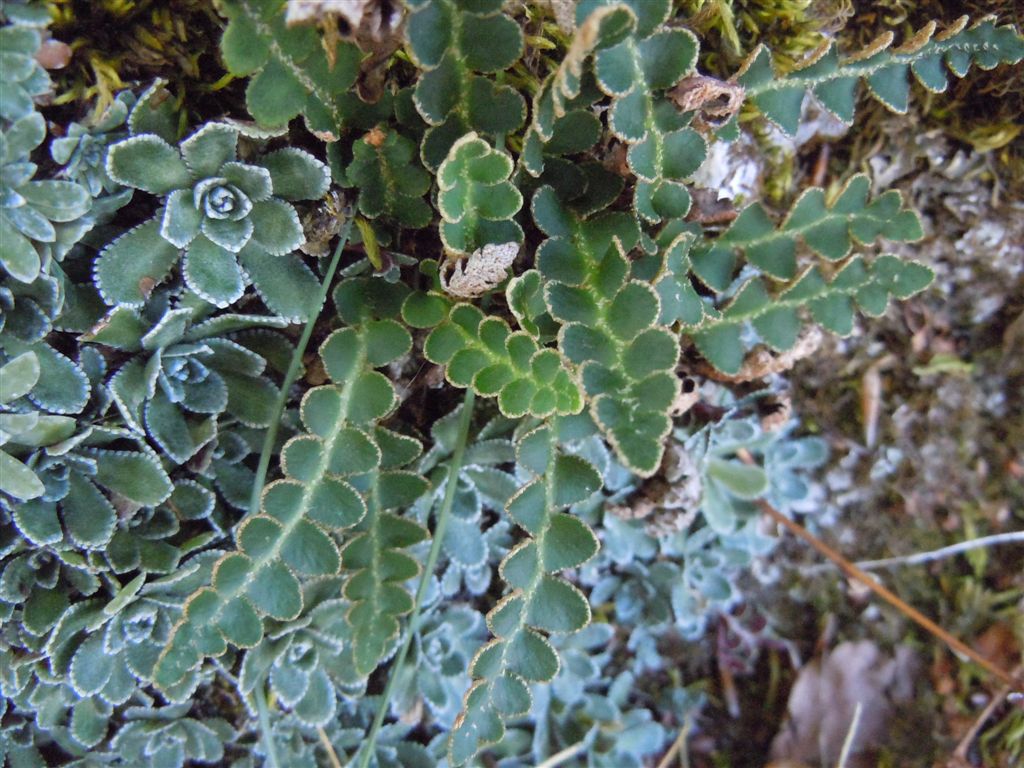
{"points": [[826, 695], [761, 361], [669, 501], [714, 101], [482, 271]]}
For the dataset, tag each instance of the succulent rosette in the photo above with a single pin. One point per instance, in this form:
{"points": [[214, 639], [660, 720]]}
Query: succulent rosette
{"points": [[233, 220], [32, 211], [82, 150]]}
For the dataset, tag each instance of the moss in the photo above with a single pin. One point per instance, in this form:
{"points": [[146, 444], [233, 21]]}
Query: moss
{"points": [[791, 28], [546, 46], [116, 42]]}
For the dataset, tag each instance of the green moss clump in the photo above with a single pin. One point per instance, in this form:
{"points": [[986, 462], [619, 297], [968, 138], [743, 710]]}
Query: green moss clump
{"points": [[115, 42], [791, 28]]}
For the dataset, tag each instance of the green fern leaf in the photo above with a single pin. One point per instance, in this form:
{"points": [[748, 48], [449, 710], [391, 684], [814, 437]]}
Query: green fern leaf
{"points": [[540, 602]]}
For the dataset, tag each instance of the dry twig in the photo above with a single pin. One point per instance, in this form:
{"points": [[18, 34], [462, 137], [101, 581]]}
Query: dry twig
{"points": [[857, 574]]}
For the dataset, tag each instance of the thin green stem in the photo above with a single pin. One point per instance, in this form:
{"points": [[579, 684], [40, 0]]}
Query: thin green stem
{"points": [[421, 591], [268, 737], [293, 371]]}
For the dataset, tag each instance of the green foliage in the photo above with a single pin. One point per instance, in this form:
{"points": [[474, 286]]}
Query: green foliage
{"points": [[609, 327], [179, 369], [33, 211], [290, 71], [485, 354], [83, 149], [230, 218], [475, 198], [831, 303], [604, 27], [304, 659], [151, 615], [540, 602], [828, 228], [18, 377], [456, 45], [663, 151], [340, 471], [390, 183], [24, 78], [483, 485], [166, 736], [886, 70]]}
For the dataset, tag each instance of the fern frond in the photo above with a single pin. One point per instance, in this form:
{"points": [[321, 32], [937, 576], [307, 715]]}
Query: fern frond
{"points": [[829, 229], [540, 602], [609, 327], [457, 45], [831, 303], [833, 79], [335, 470]]}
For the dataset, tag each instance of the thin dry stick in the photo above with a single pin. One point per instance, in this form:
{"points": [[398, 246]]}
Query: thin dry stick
{"points": [[566, 754], [851, 736], [332, 756], [875, 586], [869, 581], [1009, 537], [678, 746], [961, 753]]}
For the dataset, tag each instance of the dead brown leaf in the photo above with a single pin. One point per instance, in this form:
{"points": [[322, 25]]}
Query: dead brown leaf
{"points": [[826, 694], [776, 411], [53, 54], [709, 209], [480, 272]]}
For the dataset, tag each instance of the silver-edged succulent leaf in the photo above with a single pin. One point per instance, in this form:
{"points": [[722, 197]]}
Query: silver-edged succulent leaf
{"points": [[32, 211], [183, 377], [82, 150], [215, 207], [24, 80]]}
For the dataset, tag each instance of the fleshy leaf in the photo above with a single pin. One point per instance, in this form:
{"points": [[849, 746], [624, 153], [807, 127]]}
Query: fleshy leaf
{"points": [[149, 163], [128, 269]]}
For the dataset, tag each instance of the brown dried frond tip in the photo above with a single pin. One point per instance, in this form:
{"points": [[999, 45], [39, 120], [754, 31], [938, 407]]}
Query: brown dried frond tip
{"points": [[714, 101]]}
